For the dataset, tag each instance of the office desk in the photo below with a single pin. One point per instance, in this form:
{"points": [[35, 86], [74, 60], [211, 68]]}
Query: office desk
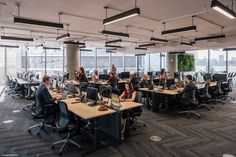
{"points": [[165, 91], [99, 82]]}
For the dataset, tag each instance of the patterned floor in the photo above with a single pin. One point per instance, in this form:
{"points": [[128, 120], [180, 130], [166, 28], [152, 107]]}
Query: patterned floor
{"points": [[211, 136]]}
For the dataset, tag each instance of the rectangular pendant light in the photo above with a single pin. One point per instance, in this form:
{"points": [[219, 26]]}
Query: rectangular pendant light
{"points": [[216, 5], [210, 37], [51, 48], [122, 16], [73, 43], [146, 45], [160, 40], [83, 46], [62, 37], [115, 33], [140, 54], [113, 41], [37, 22], [229, 49], [115, 46], [9, 46], [87, 50], [177, 30], [188, 44], [16, 38], [140, 48], [110, 51]]}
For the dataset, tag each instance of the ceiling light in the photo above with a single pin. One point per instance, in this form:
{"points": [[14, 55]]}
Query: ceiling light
{"points": [[113, 41], [115, 33], [229, 49], [210, 37], [216, 5], [146, 45], [115, 46], [9, 46], [83, 46], [140, 48], [37, 22], [51, 48], [177, 30], [160, 40], [110, 51], [140, 54], [72, 42], [62, 37], [122, 16], [88, 50], [188, 44], [16, 38]]}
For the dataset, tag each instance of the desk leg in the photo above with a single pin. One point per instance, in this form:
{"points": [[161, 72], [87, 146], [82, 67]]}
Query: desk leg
{"points": [[95, 128]]}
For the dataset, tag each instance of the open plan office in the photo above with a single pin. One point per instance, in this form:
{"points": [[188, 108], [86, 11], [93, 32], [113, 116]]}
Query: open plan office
{"points": [[117, 78]]}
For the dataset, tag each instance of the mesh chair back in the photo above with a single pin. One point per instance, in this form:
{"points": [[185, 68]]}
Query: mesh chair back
{"points": [[83, 86], [63, 120], [138, 96], [39, 105], [105, 91]]}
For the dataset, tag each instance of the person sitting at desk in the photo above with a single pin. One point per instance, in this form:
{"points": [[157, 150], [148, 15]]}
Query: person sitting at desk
{"points": [[144, 83], [134, 79], [95, 76], [129, 94], [112, 81], [189, 87], [163, 74], [81, 77]]}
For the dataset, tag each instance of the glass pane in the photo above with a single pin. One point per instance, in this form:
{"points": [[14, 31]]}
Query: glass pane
{"points": [[217, 61], [117, 60], [88, 60], [2, 66], [130, 63], [15, 60], [232, 61], [201, 60], [155, 62], [54, 62], [102, 61]]}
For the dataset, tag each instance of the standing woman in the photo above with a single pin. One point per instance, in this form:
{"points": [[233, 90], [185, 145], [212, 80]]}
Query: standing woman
{"points": [[129, 94], [163, 74], [113, 69], [82, 77]]}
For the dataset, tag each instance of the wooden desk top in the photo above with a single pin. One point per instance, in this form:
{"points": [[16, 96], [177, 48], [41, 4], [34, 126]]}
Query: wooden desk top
{"points": [[99, 82], [123, 81], [165, 91], [84, 111], [129, 105]]}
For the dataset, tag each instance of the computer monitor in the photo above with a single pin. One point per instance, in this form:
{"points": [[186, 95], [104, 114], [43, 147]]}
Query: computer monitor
{"points": [[159, 82], [220, 77], [170, 82], [150, 73], [158, 73], [125, 75], [177, 75], [105, 91], [104, 77], [207, 77], [54, 84], [71, 88], [92, 94]]}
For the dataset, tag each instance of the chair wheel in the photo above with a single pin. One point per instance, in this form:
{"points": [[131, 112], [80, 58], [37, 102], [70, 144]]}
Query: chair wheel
{"points": [[29, 131], [53, 146]]}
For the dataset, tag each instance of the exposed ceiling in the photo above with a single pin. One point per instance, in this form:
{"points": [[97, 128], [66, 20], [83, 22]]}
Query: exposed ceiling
{"points": [[85, 19]]}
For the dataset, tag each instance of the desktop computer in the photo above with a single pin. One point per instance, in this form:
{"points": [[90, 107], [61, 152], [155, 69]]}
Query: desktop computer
{"points": [[125, 75], [220, 77], [104, 77], [92, 96]]}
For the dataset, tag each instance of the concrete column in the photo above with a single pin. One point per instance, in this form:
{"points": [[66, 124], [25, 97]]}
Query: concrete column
{"points": [[73, 59], [172, 64]]}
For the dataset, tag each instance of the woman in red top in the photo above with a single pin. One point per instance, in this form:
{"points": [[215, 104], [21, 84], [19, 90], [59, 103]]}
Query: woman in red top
{"points": [[163, 74], [129, 94]]}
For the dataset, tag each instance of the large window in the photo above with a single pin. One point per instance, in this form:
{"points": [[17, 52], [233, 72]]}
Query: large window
{"points": [[232, 61], [54, 62], [217, 61], [117, 60], [2, 66], [201, 60], [14, 61], [88, 60], [103, 61], [130, 63]]}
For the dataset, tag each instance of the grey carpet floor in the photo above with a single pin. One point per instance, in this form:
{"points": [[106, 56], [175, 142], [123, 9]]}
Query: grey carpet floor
{"points": [[211, 136]]}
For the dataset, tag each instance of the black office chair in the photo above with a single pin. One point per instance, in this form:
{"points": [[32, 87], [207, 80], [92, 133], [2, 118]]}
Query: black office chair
{"points": [[205, 98], [136, 112], [227, 88], [83, 87], [217, 94], [105, 91], [63, 125], [32, 105], [42, 112], [19, 90], [190, 101]]}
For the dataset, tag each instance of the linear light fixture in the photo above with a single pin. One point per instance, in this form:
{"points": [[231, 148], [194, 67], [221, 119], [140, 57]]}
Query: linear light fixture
{"points": [[73, 43], [37, 22], [9, 46], [62, 37], [51, 48], [160, 40], [142, 54], [115, 33], [178, 30], [122, 16], [83, 46], [110, 51], [16, 38], [115, 46], [188, 44], [229, 49], [88, 50], [140, 48], [210, 37], [221, 8], [146, 45], [113, 41]]}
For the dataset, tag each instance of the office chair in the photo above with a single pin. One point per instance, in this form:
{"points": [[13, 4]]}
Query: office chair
{"points": [[105, 91], [227, 88], [83, 87], [63, 125], [218, 95], [136, 112], [190, 101], [204, 97], [32, 105], [19, 90], [41, 111]]}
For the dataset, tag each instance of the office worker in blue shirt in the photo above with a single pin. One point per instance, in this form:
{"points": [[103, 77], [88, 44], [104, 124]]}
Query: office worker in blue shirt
{"points": [[189, 88]]}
